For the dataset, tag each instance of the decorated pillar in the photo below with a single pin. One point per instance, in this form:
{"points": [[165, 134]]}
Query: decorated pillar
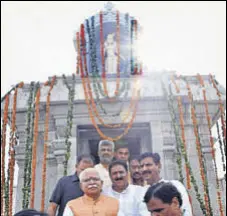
{"points": [[157, 141], [20, 160], [59, 153]]}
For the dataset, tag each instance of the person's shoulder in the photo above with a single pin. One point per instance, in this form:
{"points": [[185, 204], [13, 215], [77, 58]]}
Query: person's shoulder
{"points": [[177, 183], [106, 189], [65, 178], [74, 201], [136, 187], [110, 199]]}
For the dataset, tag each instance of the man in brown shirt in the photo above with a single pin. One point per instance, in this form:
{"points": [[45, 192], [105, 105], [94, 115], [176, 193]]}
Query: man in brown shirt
{"points": [[92, 203]]}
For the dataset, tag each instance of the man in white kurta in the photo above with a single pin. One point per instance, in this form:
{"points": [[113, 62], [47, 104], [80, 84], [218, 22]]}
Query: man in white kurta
{"points": [[129, 196], [150, 166]]}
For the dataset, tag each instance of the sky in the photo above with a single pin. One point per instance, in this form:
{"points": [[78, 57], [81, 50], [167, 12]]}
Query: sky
{"points": [[37, 37]]}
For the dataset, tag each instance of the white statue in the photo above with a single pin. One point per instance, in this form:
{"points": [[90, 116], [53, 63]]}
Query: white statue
{"points": [[110, 54]]}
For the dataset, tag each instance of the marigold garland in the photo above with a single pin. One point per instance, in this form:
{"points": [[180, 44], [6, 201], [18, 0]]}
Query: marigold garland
{"points": [[45, 145], [12, 89], [3, 146], [29, 173], [199, 77], [179, 142], [28, 142], [89, 93], [200, 154], [223, 158], [94, 122], [11, 149], [68, 130], [179, 102], [94, 68], [100, 132], [86, 82], [95, 75], [221, 109], [34, 149]]}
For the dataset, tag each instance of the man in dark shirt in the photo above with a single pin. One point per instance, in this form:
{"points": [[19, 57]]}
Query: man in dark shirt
{"points": [[68, 187]]}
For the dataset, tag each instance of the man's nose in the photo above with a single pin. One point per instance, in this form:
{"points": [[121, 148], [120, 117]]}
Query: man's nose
{"points": [[144, 168], [118, 175]]}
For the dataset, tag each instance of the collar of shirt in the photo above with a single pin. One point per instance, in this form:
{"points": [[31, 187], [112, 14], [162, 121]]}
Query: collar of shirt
{"points": [[75, 177], [123, 192], [90, 201]]}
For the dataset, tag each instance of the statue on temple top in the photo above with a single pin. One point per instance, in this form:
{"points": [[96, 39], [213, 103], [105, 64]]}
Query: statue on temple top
{"points": [[110, 54]]}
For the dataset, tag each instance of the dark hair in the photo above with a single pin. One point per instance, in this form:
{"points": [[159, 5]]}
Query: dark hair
{"points": [[121, 144], [134, 158], [118, 162], [163, 191], [155, 156], [85, 157], [30, 212]]}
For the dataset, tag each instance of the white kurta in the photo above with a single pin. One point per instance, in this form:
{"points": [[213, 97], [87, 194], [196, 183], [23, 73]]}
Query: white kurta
{"points": [[131, 200]]}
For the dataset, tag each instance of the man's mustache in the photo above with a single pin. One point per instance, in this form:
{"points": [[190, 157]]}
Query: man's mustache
{"points": [[136, 173], [146, 172], [119, 179], [92, 186]]}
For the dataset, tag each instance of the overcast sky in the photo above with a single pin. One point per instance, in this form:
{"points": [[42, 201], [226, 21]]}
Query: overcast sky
{"points": [[36, 37]]}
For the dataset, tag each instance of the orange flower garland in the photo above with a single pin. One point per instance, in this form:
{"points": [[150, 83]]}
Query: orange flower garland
{"points": [[87, 83], [34, 149], [183, 135], [211, 143], [97, 127], [102, 54], [45, 145], [179, 101], [221, 108], [3, 145], [198, 147], [11, 149]]}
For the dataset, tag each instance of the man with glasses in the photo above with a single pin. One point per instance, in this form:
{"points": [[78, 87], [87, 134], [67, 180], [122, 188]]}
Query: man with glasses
{"points": [[106, 153], [150, 166], [93, 202]]}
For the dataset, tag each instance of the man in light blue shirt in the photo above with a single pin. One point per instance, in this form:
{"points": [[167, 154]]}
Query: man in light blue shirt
{"points": [[129, 196]]}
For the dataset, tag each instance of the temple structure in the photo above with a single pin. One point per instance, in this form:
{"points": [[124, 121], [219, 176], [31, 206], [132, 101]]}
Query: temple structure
{"points": [[152, 129]]}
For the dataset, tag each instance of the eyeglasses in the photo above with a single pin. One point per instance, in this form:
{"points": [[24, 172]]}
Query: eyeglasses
{"points": [[92, 178]]}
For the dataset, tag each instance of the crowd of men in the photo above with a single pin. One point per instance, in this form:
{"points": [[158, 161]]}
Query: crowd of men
{"points": [[118, 186]]}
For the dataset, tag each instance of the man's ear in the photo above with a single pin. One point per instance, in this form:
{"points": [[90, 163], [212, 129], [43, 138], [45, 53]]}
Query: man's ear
{"points": [[159, 165], [175, 202]]}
